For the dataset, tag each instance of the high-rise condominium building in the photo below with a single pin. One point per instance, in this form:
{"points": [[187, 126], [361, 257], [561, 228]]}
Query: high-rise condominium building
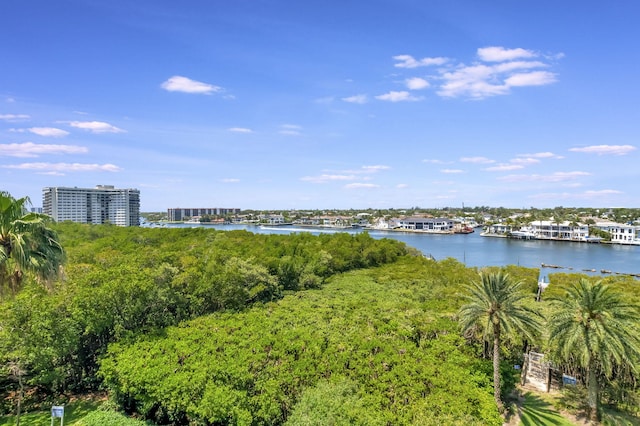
{"points": [[102, 204]]}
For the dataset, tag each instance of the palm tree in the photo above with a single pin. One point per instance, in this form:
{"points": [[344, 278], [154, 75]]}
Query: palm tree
{"points": [[496, 306], [594, 327], [27, 244]]}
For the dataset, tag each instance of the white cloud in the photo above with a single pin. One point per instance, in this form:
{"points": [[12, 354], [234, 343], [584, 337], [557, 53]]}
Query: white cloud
{"points": [[481, 81], [499, 54], [535, 78], [408, 61], [452, 171], [513, 164], [374, 169], [477, 160], [602, 192], [290, 130], [358, 185], [525, 161], [356, 99], [324, 178], [178, 83], [517, 65], [402, 185], [432, 161], [398, 97], [96, 126], [476, 82], [364, 170], [541, 155], [504, 168], [30, 149], [64, 167], [230, 180], [240, 130], [416, 83], [45, 131], [554, 177], [606, 149], [498, 71], [14, 117]]}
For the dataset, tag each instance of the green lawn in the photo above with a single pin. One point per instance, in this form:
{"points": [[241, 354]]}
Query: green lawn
{"points": [[73, 412], [537, 412], [80, 413]]}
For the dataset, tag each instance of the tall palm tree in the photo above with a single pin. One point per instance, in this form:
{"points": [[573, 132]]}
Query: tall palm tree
{"points": [[27, 244], [594, 327], [495, 304]]}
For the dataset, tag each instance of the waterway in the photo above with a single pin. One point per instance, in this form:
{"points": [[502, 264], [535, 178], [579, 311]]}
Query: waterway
{"points": [[476, 250]]}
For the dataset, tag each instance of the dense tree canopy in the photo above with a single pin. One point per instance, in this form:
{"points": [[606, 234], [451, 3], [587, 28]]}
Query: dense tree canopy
{"points": [[234, 328], [377, 342], [121, 282]]}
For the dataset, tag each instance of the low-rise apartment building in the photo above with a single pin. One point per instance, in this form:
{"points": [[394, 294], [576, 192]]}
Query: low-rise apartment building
{"points": [[179, 214]]}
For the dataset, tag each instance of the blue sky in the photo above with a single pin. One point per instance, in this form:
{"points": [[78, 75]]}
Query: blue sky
{"points": [[323, 104]]}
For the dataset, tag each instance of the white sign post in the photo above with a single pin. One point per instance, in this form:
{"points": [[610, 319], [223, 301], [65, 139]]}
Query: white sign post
{"points": [[57, 411]]}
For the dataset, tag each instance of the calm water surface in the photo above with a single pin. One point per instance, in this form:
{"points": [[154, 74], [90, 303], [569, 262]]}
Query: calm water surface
{"points": [[474, 250]]}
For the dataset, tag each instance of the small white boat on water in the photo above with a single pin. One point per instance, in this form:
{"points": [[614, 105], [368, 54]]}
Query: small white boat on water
{"points": [[523, 235]]}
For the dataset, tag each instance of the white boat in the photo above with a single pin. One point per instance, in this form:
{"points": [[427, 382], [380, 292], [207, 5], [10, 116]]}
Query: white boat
{"points": [[523, 234]]}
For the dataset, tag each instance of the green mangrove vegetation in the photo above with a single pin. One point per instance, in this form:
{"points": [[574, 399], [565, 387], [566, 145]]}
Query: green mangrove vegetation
{"points": [[197, 326]]}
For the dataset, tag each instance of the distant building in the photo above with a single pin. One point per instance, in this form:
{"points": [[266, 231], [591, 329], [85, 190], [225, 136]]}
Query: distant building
{"points": [[99, 205], [620, 233], [36, 210], [179, 214], [549, 229], [415, 223], [272, 219]]}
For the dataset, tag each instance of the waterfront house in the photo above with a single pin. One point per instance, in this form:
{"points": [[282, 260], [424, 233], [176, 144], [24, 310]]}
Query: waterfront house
{"points": [[272, 219], [568, 231], [498, 228], [427, 224], [620, 233]]}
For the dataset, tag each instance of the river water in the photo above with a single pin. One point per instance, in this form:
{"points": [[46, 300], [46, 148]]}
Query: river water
{"points": [[476, 250]]}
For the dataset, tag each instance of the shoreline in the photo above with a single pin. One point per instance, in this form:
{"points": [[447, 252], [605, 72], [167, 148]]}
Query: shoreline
{"points": [[564, 240]]}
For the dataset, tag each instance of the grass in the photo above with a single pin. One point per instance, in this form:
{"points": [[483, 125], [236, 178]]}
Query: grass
{"points": [[78, 413], [544, 409], [536, 411], [616, 418], [73, 413]]}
